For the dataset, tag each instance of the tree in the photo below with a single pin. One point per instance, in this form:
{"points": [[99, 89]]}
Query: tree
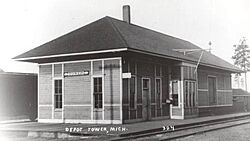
{"points": [[241, 57]]}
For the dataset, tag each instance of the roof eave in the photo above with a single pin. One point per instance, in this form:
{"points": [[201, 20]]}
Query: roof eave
{"points": [[70, 54], [181, 59]]}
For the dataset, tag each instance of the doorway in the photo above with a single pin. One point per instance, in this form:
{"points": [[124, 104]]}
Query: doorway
{"points": [[146, 99], [212, 90]]}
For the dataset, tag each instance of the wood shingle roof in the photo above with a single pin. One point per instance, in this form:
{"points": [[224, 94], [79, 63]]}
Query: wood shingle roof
{"points": [[109, 33]]}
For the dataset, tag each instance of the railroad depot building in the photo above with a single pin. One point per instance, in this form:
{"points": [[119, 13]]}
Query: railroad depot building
{"points": [[112, 71]]}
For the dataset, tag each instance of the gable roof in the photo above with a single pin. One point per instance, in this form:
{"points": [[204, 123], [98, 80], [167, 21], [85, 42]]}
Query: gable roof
{"points": [[109, 34]]}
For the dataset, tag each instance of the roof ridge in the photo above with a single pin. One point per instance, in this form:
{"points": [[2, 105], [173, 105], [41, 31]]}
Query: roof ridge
{"points": [[117, 30]]}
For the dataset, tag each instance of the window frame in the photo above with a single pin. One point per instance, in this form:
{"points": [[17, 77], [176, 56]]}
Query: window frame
{"points": [[55, 94], [216, 88], [99, 93]]}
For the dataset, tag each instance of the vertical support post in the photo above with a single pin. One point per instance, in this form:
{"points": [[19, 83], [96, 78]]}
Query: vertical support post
{"points": [[181, 91]]}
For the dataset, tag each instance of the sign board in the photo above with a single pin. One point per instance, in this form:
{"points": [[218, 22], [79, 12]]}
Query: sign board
{"points": [[67, 74], [126, 75]]}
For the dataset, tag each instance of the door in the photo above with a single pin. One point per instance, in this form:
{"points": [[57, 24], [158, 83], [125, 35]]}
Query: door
{"points": [[176, 106], [212, 90], [145, 98]]}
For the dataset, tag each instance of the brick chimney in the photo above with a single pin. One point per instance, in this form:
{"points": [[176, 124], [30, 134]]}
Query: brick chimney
{"points": [[126, 13]]}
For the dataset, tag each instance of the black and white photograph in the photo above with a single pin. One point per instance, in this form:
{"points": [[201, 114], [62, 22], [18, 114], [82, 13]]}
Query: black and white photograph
{"points": [[123, 70]]}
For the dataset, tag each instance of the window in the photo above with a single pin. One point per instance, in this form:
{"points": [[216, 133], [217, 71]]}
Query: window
{"points": [[98, 92], [58, 93], [158, 92], [132, 92], [190, 93]]}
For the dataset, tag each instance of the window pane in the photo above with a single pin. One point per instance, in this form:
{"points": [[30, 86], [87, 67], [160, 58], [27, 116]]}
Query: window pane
{"points": [[95, 81], [95, 88], [60, 83], [100, 85], [96, 101], [175, 88], [60, 90], [175, 100], [145, 84]]}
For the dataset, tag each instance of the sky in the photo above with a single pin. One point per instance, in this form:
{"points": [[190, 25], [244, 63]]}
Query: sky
{"points": [[26, 24]]}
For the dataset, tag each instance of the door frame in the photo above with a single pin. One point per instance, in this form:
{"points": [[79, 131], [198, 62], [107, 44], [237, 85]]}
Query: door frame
{"points": [[148, 98], [215, 89], [180, 100]]}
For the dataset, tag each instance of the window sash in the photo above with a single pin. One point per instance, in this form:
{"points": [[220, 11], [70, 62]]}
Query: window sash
{"points": [[58, 93], [97, 93]]}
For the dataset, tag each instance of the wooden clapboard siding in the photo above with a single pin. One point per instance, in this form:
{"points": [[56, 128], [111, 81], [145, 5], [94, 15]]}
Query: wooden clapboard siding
{"points": [[45, 112], [203, 98], [111, 86], [145, 69], [97, 67], [97, 115], [45, 85], [112, 113], [112, 89], [188, 73], [202, 80], [77, 89], [58, 70], [125, 112], [77, 112], [58, 114], [139, 111], [223, 87]]}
